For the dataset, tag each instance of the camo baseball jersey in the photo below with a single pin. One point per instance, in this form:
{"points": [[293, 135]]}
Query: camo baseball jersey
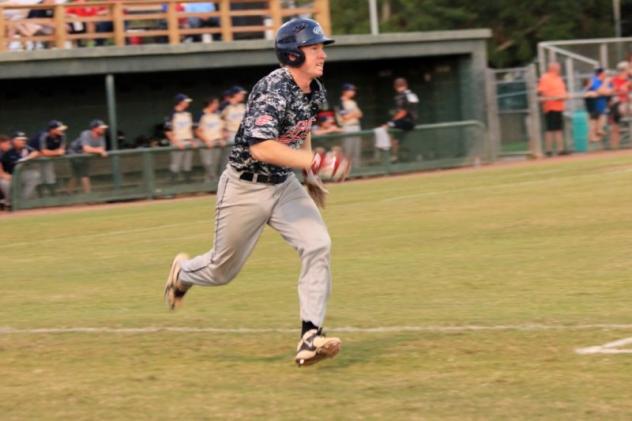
{"points": [[277, 110]]}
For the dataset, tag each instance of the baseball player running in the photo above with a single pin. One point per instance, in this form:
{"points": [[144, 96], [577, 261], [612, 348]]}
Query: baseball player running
{"points": [[258, 187]]}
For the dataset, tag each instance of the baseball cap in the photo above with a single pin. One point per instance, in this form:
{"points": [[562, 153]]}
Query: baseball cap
{"points": [[96, 123], [182, 97], [348, 87], [56, 124], [236, 89], [623, 65], [19, 135]]}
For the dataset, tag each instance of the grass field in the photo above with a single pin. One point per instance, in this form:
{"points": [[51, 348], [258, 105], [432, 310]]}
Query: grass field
{"points": [[536, 256]]}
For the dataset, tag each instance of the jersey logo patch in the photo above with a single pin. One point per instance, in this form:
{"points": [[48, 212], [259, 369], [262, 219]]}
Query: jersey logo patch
{"points": [[263, 120]]}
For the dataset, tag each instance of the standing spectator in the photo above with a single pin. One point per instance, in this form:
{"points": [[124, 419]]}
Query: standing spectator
{"points": [[179, 131], [350, 115], [620, 102], [552, 92], [232, 114], [405, 116], [50, 143], [597, 93], [210, 131], [89, 142], [18, 152], [5, 177]]}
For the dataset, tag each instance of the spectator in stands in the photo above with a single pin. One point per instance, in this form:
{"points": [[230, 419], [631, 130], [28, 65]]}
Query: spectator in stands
{"points": [[30, 29], [50, 143], [405, 117], [597, 94], [210, 132], [179, 131], [82, 11], [18, 152], [326, 124], [619, 104], [552, 93], [232, 114], [89, 142], [349, 115], [195, 22]]}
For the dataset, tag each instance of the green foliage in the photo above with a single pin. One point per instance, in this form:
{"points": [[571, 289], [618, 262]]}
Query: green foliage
{"points": [[517, 25]]}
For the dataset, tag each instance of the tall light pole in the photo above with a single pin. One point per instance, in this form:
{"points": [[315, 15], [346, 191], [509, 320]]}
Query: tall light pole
{"points": [[375, 27], [616, 11]]}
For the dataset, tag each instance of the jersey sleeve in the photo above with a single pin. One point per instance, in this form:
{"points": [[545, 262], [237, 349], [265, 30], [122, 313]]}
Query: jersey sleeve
{"points": [[168, 123], [263, 116]]}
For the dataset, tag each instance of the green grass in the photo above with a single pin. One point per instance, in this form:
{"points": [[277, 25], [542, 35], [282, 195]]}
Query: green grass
{"points": [[545, 244]]}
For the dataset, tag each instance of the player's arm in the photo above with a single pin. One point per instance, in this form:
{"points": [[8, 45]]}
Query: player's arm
{"points": [[307, 144], [276, 153]]}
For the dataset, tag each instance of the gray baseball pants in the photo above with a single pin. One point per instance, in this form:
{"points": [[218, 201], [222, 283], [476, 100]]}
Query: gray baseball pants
{"points": [[182, 159], [243, 210]]}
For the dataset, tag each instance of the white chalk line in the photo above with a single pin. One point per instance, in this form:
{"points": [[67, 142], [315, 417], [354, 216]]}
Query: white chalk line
{"points": [[342, 329], [613, 347]]}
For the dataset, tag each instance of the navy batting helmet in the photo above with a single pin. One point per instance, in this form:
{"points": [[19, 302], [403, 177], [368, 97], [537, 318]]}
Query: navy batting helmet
{"points": [[298, 33]]}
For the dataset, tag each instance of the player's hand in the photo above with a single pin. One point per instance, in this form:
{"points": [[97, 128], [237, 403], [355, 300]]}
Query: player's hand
{"points": [[316, 188]]}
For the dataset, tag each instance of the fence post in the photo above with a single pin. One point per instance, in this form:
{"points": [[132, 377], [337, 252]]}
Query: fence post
{"points": [[172, 23], [60, 26], [275, 14], [322, 15], [148, 173], [118, 22], [533, 119], [493, 125], [225, 20], [3, 41]]}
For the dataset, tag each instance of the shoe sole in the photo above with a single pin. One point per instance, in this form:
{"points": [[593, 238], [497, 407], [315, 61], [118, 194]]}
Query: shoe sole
{"points": [[170, 286], [329, 350]]}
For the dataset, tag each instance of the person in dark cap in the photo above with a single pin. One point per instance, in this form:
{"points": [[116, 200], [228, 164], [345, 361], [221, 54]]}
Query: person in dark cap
{"points": [[597, 93], [50, 143], [89, 142], [179, 131], [15, 152], [350, 115]]}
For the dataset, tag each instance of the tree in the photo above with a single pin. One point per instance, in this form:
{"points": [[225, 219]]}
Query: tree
{"points": [[517, 26]]}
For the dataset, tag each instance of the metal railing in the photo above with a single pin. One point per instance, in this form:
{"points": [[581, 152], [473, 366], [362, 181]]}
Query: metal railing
{"points": [[140, 21], [146, 174]]}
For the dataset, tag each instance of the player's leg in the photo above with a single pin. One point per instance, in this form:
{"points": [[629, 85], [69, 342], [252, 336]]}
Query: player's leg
{"points": [[298, 220], [175, 164], [187, 162], [241, 214]]}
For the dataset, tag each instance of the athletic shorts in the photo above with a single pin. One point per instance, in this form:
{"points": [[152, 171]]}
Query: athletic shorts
{"points": [[553, 121]]}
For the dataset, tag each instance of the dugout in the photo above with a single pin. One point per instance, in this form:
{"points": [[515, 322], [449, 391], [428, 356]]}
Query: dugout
{"points": [[446, 69]]}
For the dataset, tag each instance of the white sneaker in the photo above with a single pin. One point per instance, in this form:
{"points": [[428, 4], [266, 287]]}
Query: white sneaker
{"points": [[314, 346], [174, 289]]}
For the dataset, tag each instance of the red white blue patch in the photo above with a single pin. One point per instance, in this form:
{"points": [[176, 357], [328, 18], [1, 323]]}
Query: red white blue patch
{"points": [[263, 120]]}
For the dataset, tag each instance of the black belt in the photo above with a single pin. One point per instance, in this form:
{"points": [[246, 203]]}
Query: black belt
{"points": [[262, 178]]}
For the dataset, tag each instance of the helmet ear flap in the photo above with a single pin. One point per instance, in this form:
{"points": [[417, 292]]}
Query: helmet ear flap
{"points": [[294, 59]]}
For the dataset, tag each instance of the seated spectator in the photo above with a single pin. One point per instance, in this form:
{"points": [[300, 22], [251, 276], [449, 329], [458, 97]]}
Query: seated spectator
{"points": [[195, 22], [78, 27], [326, 125], [89, 142], [619, 104], [18, 152], [30, 29], [51, 144]]}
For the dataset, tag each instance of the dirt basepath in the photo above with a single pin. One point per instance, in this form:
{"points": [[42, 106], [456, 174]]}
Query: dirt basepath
{"points": [[505, 163]]}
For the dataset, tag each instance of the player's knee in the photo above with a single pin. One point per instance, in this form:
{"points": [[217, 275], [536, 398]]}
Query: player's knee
{"points": [[320, 244]]}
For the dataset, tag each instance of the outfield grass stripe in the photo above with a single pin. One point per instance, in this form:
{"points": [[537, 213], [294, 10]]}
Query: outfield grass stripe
{"points": [[347, 329]]}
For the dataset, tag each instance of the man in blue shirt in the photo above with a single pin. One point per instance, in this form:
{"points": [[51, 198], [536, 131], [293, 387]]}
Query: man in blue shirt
{"points": [[16, 154], [597, 96]]}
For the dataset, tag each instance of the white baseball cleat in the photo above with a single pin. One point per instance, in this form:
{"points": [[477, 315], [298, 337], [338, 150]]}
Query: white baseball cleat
{"points": [[174, 289], [314, 346]]}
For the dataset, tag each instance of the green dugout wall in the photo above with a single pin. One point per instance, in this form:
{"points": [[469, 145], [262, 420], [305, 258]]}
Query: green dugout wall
{"points": [[445, 68]]}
